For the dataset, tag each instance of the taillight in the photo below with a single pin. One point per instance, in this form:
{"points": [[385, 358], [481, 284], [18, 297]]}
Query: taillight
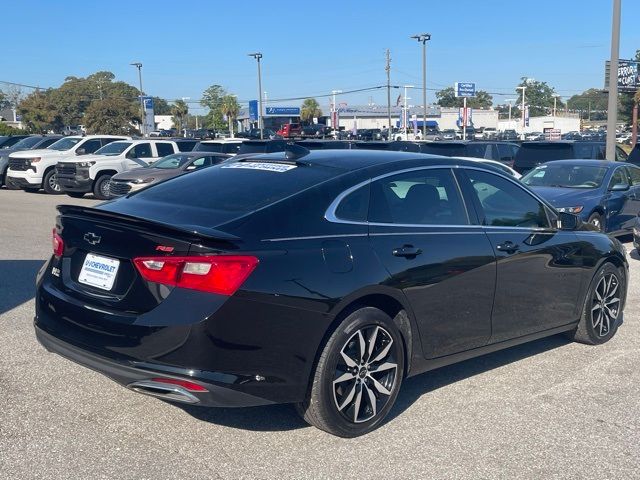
{"points": [[222, 274], [57, 243]]}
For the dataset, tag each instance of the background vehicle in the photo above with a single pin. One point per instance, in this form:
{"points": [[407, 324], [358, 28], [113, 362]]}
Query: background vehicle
{"points": [[93, 173], [448, 134], [315, 131], [251, 147], [604, 194], [165, 168], [9, 142], [229, 146], [389, 146], [534, 136], [532, 154], [290, 130], [501, 151], [223, 271], [369, 134], [254, 134], [470, 133], [35, 169], [31, 142], [489, 133], [508, 135]]}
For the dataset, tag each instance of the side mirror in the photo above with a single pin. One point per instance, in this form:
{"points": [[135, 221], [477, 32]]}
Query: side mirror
{"points": [[81, 151], [620, 187], [567, 221]]}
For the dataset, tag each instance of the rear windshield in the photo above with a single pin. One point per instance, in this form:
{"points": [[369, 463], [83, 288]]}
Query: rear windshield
{"points": [[534, 154], [186, 145], [224, 192], [446, 149], [208, 147]]}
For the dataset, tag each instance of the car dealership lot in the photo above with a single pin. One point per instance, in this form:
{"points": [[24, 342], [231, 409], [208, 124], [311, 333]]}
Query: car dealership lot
{"points": [[544, 409]]}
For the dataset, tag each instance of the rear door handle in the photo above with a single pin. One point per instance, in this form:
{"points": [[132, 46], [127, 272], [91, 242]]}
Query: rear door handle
{"points": [[407, 251], [508, 247]]}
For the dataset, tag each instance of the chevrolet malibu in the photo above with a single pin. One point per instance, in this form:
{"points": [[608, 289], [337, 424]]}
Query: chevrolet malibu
{"points": [[321, 279]]}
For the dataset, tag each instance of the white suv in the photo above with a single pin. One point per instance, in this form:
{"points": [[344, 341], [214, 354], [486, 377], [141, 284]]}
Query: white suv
{"points": [[35, 169], [93, 173]]}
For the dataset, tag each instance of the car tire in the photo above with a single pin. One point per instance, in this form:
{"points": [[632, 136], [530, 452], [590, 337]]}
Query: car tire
{"points": [[597, 221], [602, 309], [101, 187], [75, 194], [50, 183], [357, 377]]}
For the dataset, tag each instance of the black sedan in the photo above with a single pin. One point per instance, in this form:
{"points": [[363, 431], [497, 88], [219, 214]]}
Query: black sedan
{"points": [[165, 168], [319, 278]]}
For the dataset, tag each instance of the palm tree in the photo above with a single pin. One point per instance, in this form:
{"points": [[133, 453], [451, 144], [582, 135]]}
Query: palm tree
{"points": [[230, 108], [310, 110], [179, 111]]}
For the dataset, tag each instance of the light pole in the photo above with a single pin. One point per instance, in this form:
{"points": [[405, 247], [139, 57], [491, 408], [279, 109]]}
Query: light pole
{"points": [[555, 104], [334, 113], [186, 117], [143, 129], [405, 118], [258, 56], [424, 38], [509, 100], [523, 88], [612, 107]]}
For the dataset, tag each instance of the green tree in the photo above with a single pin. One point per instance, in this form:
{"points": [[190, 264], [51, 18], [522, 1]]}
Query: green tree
{"points": [[230, 108], [40, 113], [591, 103], [310, 110], [212, 99], [161, 106], [539, 96], [179, 110], [112, 116], [447, 98]]}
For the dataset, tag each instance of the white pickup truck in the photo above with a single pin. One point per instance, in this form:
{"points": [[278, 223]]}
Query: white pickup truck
{"points": [[93, 173], [35, 169]]}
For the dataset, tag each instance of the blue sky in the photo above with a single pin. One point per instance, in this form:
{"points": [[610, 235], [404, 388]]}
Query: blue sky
{"points": [[311, 48]]}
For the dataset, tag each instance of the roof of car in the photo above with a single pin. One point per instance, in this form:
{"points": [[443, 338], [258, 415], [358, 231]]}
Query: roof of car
{"points": [[586, 161]]}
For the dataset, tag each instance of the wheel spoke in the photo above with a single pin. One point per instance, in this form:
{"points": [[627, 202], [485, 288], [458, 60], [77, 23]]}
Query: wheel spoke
{"points": [[372, 341], [381, 388], [596, 321], [372, 400], [362, 345], [385, 366], [383, 353], [613, 300], [596, 307], [348, 360], [356, 407], [344, 377], [347, 400]]}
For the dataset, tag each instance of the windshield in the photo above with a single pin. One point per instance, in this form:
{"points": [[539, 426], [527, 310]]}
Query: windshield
{"points": [[114, 148], [66, 143], [27, 142], [566, 176], [176, 160], [208, 147]]}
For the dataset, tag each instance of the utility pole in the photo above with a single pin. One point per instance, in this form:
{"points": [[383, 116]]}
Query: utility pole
{"points": [[334, 114], [523, 88], [388, 70], [612, 107], [138, 65], [405, 115], [258, 56], [424, 38], [555, 104]]}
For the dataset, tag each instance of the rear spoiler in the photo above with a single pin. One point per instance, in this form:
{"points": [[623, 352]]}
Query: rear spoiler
{"points": [[193, 232]]}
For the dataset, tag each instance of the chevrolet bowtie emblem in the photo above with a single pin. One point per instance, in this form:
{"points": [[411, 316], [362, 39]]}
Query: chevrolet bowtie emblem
{"points": [[92, 238]]}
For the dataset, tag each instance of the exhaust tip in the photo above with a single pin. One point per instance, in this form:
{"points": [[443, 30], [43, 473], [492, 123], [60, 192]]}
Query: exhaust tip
{"points": [[166, 391]]}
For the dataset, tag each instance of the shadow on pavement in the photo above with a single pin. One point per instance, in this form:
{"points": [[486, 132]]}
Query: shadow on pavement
{"points": [[284, 417], [17, 282]]}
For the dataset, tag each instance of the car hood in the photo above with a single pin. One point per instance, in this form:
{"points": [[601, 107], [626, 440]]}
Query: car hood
{"points": [[41, 152], [90, 158], [144, 173], [568, 197]]}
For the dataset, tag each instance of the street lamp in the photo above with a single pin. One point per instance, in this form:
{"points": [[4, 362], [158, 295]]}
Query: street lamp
{"points": [[509, 100], [138, 65], [258, 56], [424, 38]]}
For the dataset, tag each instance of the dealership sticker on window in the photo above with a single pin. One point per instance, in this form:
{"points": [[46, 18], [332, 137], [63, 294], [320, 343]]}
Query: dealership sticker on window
{"points": [[269, 167]]}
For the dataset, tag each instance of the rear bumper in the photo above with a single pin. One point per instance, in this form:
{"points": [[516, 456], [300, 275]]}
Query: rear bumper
{"points": [[136, 375]]}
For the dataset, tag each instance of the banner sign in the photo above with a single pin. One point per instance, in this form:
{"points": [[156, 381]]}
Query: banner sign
{"points": [[465, 89], [148, 122], [253, 110], [628, 75]]}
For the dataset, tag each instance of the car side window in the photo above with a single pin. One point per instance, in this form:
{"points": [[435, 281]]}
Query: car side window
{"points": [[505, 204], [621, 155], [619, 177], [634, 173], [201, 162], [164, 149], [142, 150], [91, 146], [422, 197]]}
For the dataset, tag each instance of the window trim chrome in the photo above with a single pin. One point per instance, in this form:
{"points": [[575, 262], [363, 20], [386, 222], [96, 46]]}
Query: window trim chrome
{"points": [[330, 213]]}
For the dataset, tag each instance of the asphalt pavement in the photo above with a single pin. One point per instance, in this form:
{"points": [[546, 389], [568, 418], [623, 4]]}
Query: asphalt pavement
{"points": [[548, 409]]}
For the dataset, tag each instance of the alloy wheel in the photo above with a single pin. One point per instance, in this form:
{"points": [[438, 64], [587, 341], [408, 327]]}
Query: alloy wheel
{"points": [[105, 189], [606, 305], [366, 374], [596, 223], [53, 183]]}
